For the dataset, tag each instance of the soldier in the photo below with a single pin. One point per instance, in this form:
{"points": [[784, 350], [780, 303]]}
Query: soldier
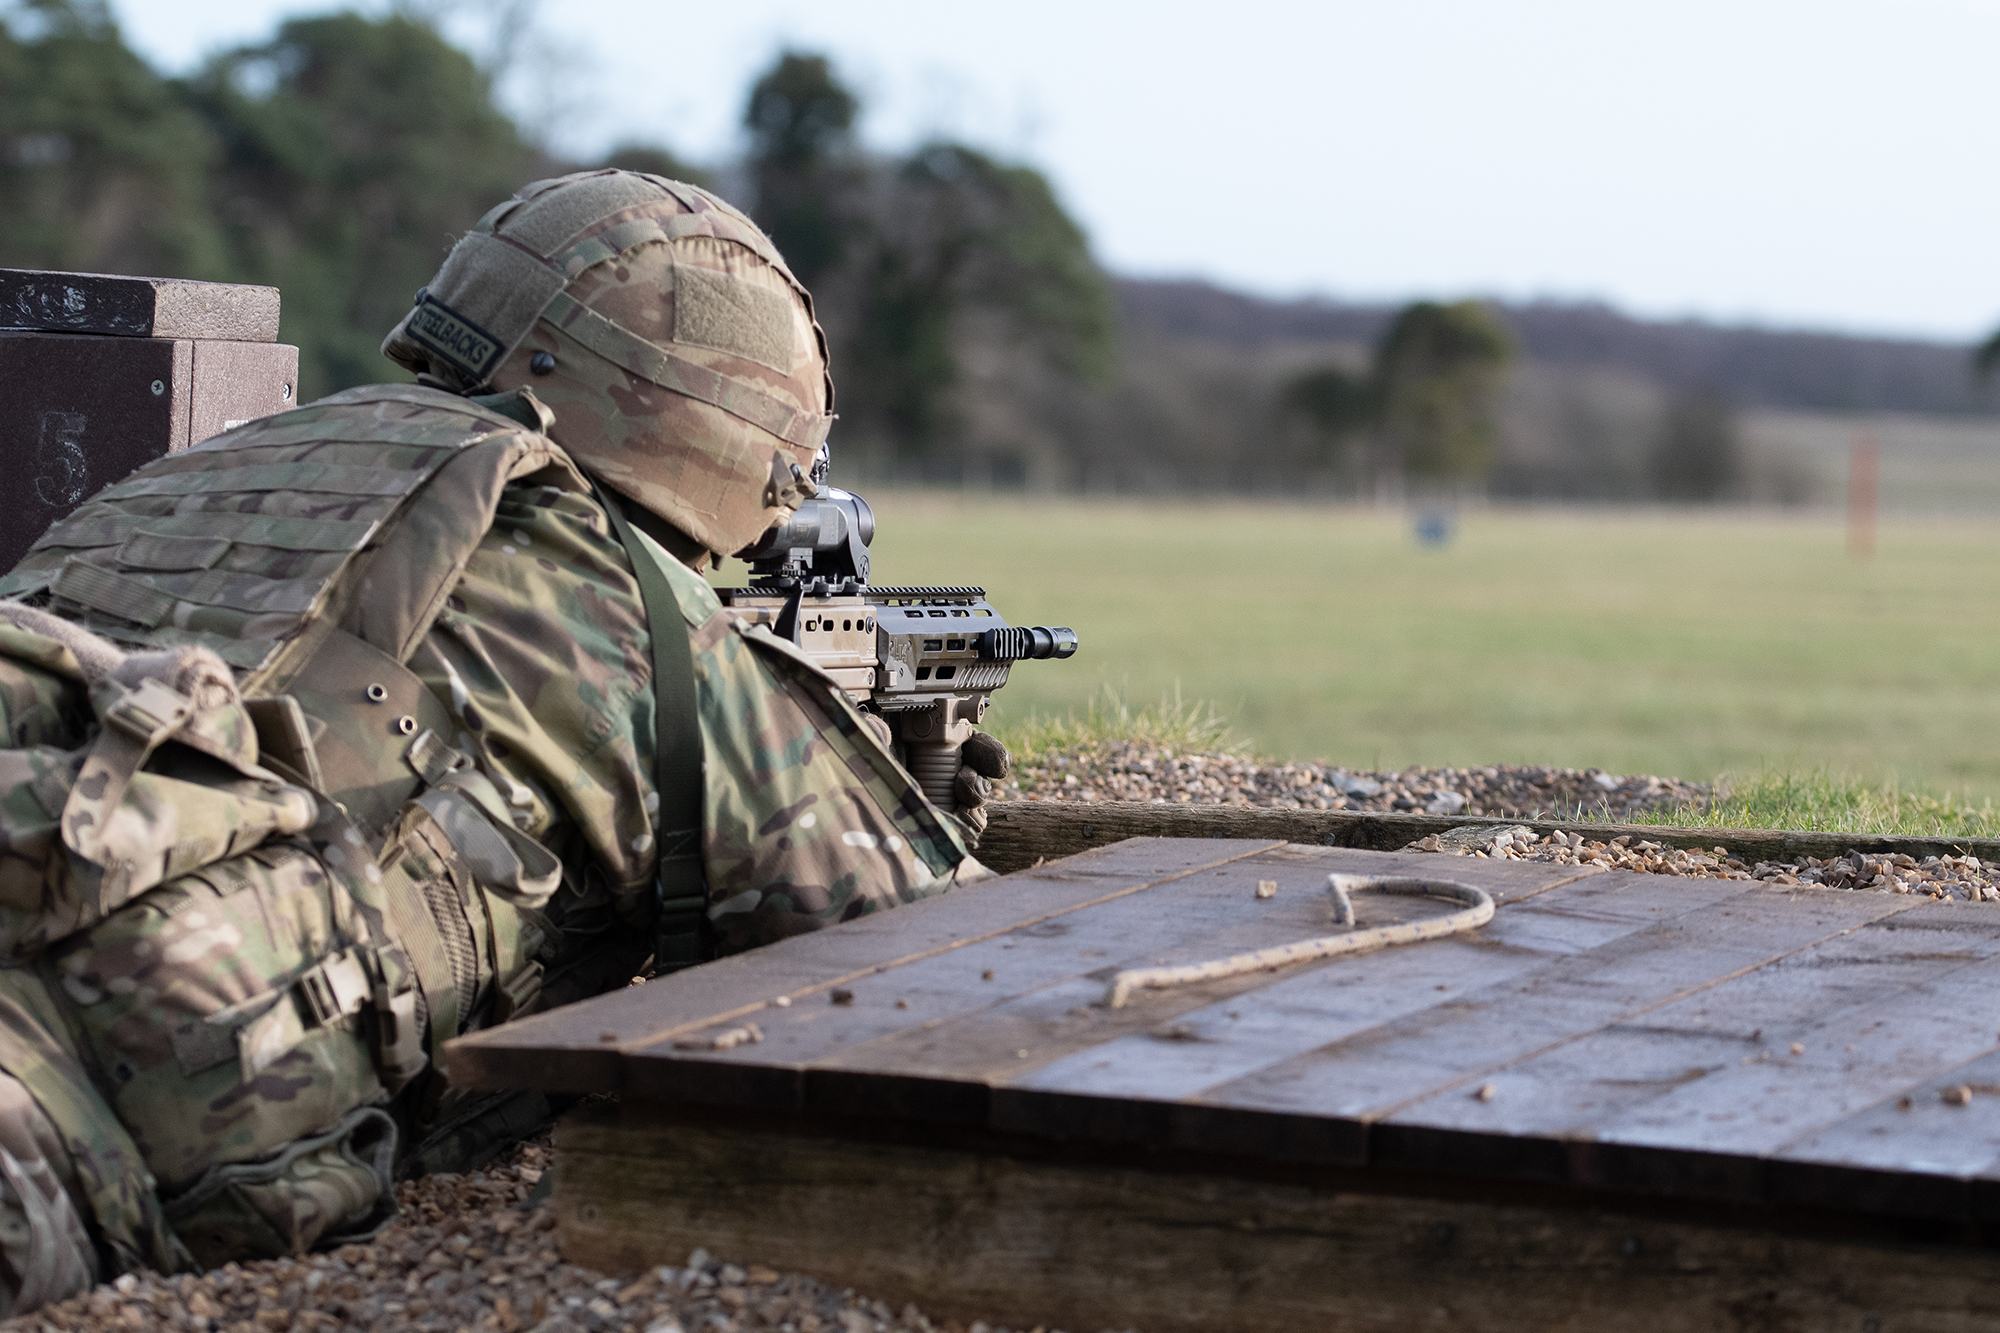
{"points": [[406, 712]]}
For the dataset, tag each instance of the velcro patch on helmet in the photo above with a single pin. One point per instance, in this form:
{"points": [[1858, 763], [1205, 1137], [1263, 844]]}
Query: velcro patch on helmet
{"points": [[727, 314], [442, 331]]}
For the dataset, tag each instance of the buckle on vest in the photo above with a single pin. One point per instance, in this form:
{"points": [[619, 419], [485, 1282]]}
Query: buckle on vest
{"points": [[399, 1037], [150, 713], [679, 942], [517, 994], [336, 988]]}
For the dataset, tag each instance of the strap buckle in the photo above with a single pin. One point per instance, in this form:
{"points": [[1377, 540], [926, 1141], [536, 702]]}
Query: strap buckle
{"points": [[339, 986], [150, 713], [399, 1038], [517, 994], [679, 940]]}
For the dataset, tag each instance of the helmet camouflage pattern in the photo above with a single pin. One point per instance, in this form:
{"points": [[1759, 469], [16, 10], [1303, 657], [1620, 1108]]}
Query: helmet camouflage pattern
{"points": [[678, 352]]}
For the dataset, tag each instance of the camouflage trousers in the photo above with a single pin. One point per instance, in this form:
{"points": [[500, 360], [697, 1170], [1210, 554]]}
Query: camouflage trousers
{"points": [[45, 1251], [190, 1081]]}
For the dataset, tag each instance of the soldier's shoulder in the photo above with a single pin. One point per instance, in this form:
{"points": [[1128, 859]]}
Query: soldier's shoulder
{"points": [[398, 413], [698, 602]]}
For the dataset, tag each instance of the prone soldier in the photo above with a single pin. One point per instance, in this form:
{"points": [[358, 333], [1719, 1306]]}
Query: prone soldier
{"points": [[408, 711]]}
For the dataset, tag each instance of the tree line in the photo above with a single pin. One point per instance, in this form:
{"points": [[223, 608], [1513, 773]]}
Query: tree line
{"points": [[974, 335]]}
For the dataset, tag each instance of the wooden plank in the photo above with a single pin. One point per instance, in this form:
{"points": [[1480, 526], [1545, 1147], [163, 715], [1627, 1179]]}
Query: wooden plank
{"points": [[1374, 1075], [127, 307], [946, 1020], [1521, 943], [81, 413], [235, 382], [1889, 1005], [1915, 1151], [1201, 917], [1691, 1097], [580, 1048], [1021, 832], [1016, 1233], [1222, 1042], [1587, 1002]]}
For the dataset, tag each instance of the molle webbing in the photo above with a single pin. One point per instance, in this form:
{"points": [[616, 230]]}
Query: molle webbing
{"points": [[356, 512], [320, 595]]}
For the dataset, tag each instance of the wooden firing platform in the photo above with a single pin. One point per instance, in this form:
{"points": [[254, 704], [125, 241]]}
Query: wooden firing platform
{"points": [[1306, 1148]]}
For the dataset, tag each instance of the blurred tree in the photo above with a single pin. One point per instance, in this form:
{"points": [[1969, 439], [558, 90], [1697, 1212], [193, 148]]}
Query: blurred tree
{"points": [[1339, 407], [1986, 358], [1699, 456], [103, 166], [355, 151], [1438, 372], [922, 268], [967, 249], [803, 166]]}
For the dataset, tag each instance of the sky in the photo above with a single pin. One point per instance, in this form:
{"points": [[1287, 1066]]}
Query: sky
{"points": [[1820, 165]]}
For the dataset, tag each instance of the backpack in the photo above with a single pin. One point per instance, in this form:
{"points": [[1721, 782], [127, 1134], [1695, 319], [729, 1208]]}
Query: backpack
{"points": [[242, 868]]}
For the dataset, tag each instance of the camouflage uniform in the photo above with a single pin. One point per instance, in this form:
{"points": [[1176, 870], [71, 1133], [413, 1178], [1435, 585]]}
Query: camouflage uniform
{"points": [[543, 652], [236, 923]]}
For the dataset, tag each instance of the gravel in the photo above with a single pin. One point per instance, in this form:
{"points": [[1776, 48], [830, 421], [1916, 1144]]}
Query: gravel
{"points": [[1962, 878], [1140, 771], [477, 1253]]}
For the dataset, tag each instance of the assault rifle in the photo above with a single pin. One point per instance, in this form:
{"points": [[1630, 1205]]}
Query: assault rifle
{"points": [[925, 659]]}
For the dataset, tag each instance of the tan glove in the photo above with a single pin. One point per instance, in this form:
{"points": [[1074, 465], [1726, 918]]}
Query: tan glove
{"points": [[983, 760]]}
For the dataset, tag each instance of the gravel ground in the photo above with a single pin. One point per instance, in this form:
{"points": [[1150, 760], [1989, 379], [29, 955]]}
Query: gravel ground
{"points": [[1965, 878], [1138, 771], [474, 1254]]}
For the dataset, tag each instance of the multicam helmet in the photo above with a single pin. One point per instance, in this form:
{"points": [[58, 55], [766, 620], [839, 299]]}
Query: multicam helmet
{"points": [[678, 352]]}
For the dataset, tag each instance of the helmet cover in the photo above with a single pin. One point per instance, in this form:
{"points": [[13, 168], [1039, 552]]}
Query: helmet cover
{"points": [[679, 354]]}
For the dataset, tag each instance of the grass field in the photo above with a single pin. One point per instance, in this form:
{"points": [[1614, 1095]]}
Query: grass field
{"points": [[1686, 644]]}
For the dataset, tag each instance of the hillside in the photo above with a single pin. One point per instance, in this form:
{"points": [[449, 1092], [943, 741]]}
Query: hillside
{"points": [[1756, 367], [1195, 407]]}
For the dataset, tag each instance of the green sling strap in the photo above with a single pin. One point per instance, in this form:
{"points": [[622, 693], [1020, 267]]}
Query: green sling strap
{"points": [[677, 760]]}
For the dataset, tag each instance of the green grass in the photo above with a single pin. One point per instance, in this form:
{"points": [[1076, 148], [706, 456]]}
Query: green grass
{"points": [[1107, 716], [1684, 644], [1829, 801]]}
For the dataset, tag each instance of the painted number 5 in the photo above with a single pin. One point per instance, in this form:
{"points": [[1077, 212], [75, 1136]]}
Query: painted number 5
{"points": [[62, 473]]}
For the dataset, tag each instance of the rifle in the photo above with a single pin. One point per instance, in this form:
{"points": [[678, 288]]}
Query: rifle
{"points": [[925, 659]]}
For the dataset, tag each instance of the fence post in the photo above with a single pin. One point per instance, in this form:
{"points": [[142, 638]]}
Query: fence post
{"points": [[1863, 469]]}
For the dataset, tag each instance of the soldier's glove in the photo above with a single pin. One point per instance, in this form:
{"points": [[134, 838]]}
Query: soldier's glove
{"points": [[983, 761]]}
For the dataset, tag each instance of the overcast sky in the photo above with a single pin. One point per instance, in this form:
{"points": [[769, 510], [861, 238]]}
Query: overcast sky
{"points": [[1825, 164]]}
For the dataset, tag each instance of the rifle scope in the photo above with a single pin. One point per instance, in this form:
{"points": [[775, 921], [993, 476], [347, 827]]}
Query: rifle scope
{"points": [[828, 536]]}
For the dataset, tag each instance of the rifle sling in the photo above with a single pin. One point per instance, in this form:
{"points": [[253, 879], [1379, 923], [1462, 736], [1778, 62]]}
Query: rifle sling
{"points": [[677, 758]]}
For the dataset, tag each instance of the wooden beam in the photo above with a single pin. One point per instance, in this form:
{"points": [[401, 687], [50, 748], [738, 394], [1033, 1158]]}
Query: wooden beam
{"points": [[1020, 833], [1034, 1237], [127, 307]]}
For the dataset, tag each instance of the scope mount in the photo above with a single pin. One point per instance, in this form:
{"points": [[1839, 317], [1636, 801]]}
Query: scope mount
{"points": [[788, 581]]}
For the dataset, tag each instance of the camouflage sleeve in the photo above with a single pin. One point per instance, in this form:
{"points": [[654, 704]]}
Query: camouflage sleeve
{"points": [[807, 819], [543, 654]]}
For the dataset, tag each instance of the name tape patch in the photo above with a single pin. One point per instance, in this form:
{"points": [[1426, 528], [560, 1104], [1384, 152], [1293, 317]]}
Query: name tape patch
{"points": [[455, 338]]}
